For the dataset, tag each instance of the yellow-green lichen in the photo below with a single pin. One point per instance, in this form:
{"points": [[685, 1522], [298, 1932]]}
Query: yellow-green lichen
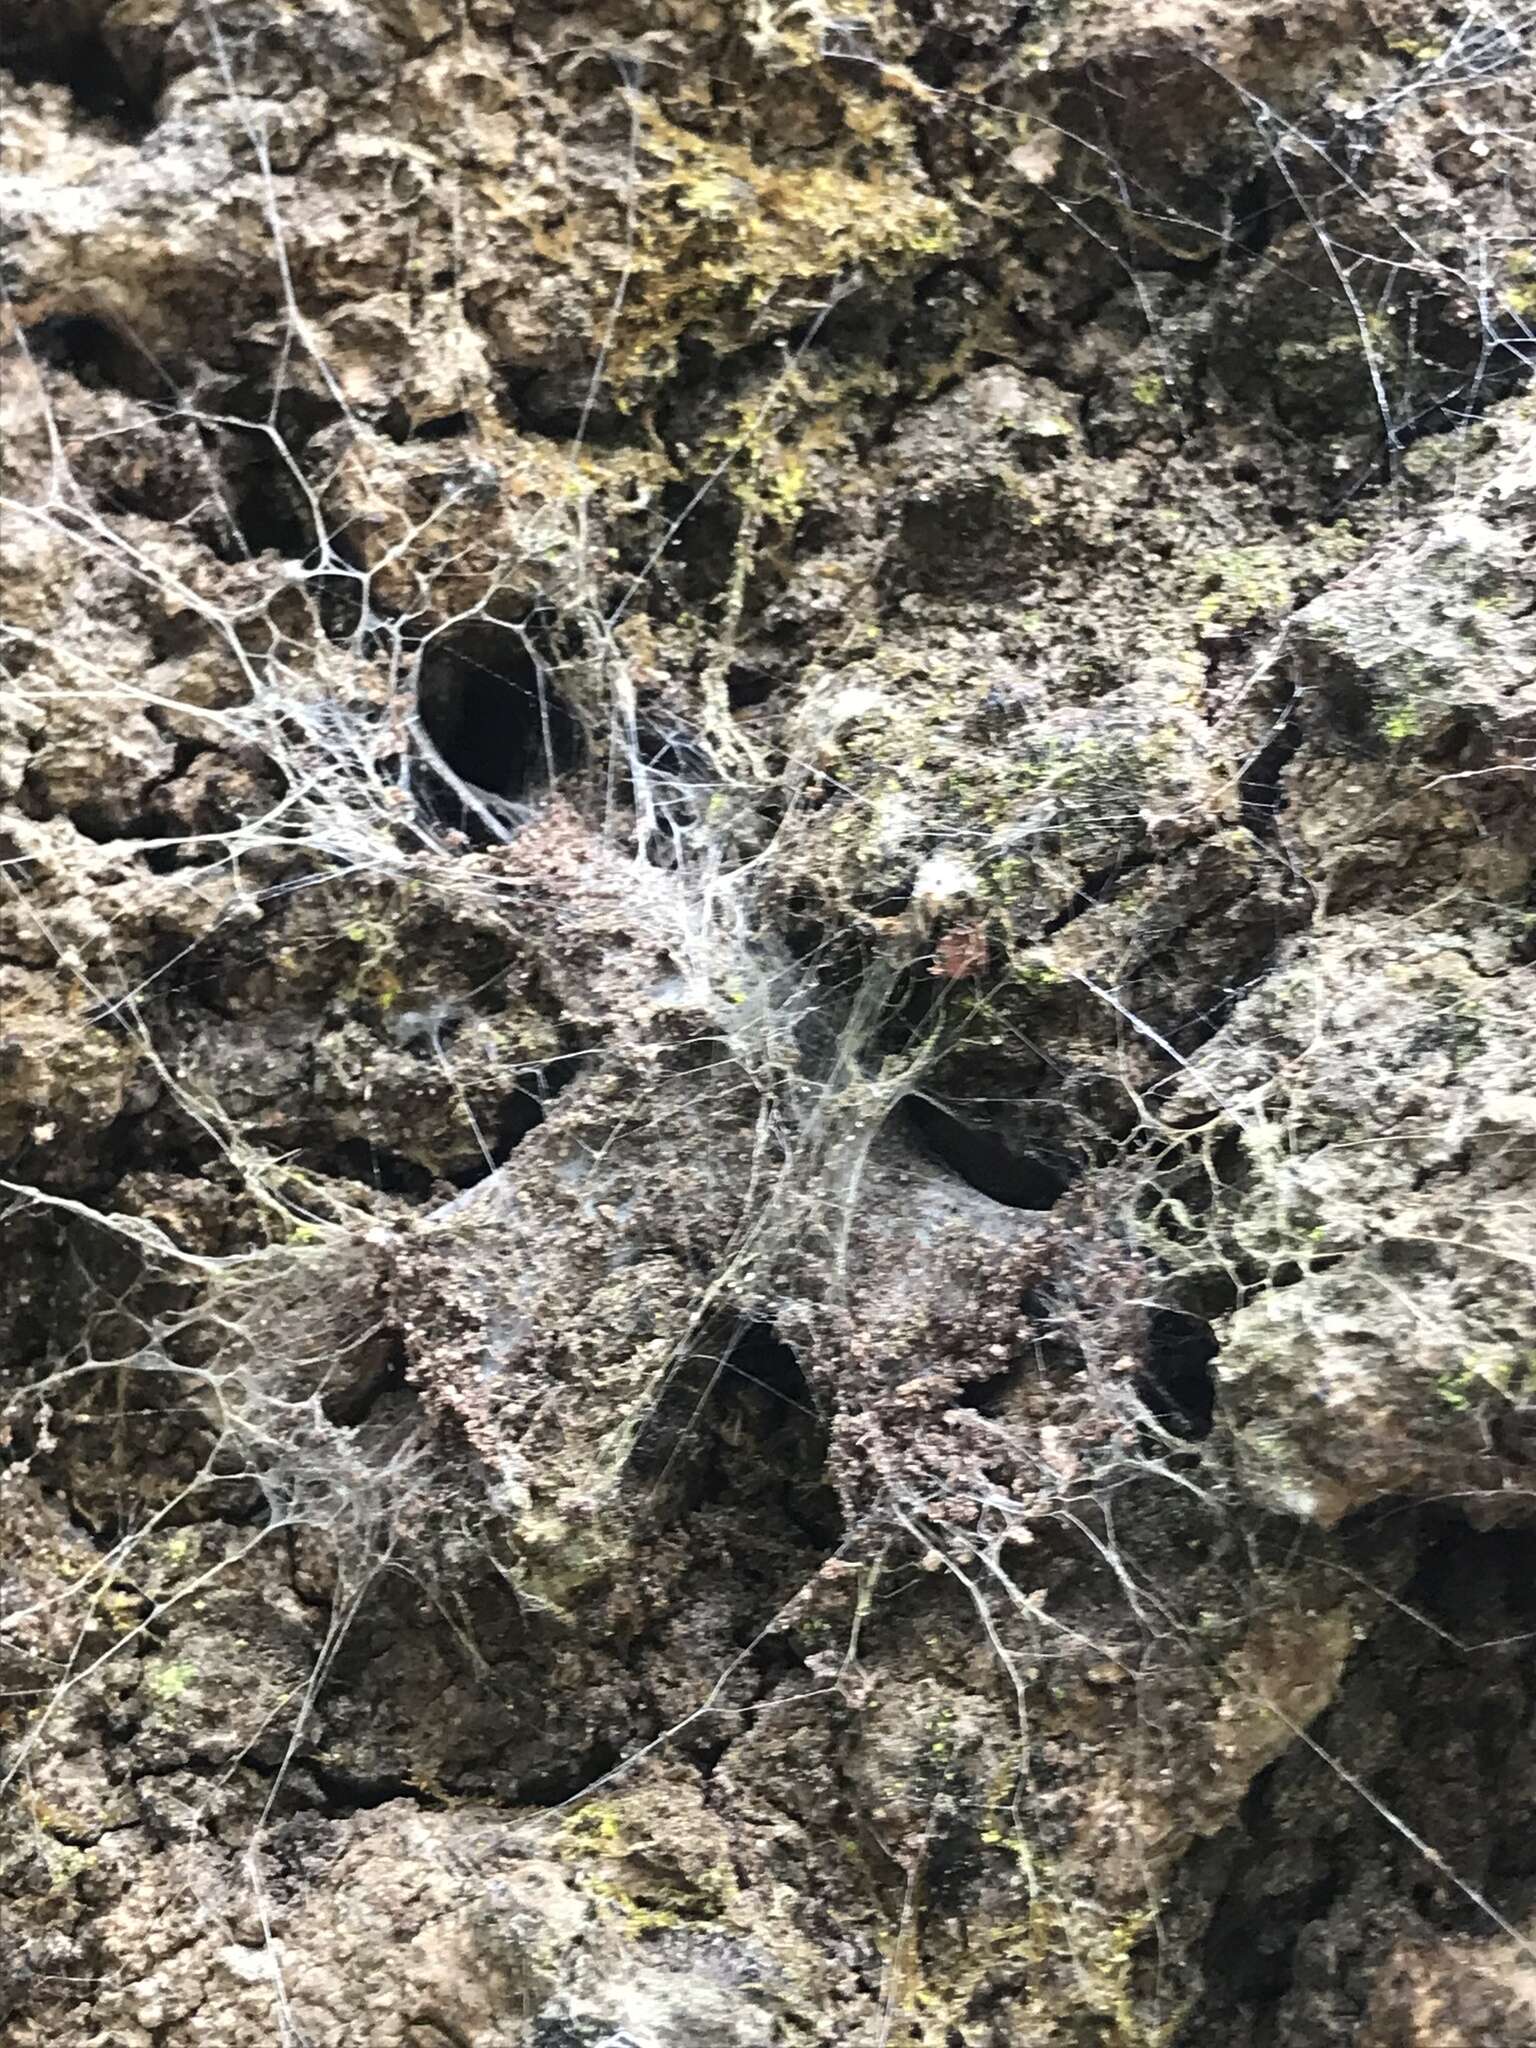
{"points": [[725, 238], [1501, 1372], [636, 1877], [374, 979], [167, 1682], [1243, 584], [1398, 723]]}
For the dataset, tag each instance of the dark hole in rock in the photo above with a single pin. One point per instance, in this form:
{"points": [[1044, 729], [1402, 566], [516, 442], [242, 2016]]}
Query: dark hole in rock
{"points": [[1259, 789], [1503, 365], [66, 47], [748, 687], [99, 356], [1020, 1177], [678, 780], [522, 1111], [954, 1852], [564, 405], [1228, 1167], [995, 1394], [1094, 888], [1179, 1383], [392, 1174], [1213, 1006], [1257, 1963], [396, 422], [558, 1784], [1287, 1272], [493, 714], [502, 1128], [295, 416], [944, 47], [699, 556], [1256, 212], [347, 1792], [737, 1446], [958, 539], [269, 512], [673, 755], [1315, 1890], [379, 1370], [1523, 949], [891, 903], [1452, 743]]}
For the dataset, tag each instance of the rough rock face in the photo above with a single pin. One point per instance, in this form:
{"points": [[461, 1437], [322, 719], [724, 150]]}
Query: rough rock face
{"points": [[768, 1059]]}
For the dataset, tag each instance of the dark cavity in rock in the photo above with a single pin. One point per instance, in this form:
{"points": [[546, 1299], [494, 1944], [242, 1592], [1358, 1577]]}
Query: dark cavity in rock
{"points": [[1018, 1177]]}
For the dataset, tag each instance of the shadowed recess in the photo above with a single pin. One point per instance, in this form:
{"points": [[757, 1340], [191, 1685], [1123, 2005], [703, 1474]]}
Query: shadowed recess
{"points": [[99, 355], [739, 1430], [1179, 1383], [60, 42], [994, 1165], [1311, 1886], [491, 711]]}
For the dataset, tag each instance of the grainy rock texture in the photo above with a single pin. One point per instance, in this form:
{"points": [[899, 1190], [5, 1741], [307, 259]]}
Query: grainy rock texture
{"points": [[768, 1061]]}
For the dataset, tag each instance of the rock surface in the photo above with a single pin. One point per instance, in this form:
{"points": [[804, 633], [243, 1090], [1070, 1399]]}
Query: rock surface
{"points": [[768, 1057]]}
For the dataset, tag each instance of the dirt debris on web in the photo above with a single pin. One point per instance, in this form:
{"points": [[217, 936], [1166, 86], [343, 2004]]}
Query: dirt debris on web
{"points": [[767, 948]]}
